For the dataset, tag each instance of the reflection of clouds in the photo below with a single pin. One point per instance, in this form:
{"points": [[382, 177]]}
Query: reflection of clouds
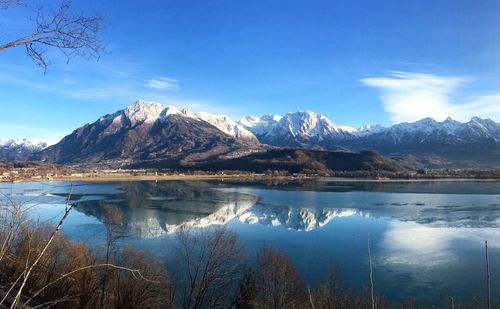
{"points": [[411, 243]]}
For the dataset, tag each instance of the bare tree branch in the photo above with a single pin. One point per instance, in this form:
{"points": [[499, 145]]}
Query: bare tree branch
{"points": [[9, 3], [72, 34], [136, 273], [29, 268]]}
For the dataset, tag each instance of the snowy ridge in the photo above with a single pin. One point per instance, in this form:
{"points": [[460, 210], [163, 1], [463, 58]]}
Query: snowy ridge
{"points": [[148, 112], [451, 130], [19, 149], [305, 129], [144, 112], [301, 123], [307, 123], [367, 130], [260, 125], [226, 125], [308, 128], [298, 129], [22, 144]]}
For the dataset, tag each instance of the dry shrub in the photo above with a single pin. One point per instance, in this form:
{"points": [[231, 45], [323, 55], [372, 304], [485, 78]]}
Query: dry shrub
{"points": [[150, 288], [209, 262], [279, 284]]}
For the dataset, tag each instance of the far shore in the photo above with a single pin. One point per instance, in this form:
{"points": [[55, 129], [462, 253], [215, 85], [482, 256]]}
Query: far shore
{"points": [[129, 177]]}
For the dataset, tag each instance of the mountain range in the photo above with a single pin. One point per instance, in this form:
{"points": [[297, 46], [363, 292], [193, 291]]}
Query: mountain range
{"points": [[19, 149], [153, 134]]}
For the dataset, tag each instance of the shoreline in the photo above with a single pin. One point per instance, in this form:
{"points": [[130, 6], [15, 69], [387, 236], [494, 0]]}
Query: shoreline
{"points": [[127, 178]]}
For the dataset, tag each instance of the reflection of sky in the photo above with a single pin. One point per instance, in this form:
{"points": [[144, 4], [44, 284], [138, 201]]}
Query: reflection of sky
{"points": [[424, 244], [433, 244]]}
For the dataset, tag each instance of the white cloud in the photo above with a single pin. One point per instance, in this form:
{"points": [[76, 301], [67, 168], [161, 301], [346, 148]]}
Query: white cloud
{"points": [[162, 83], [413, 96]]}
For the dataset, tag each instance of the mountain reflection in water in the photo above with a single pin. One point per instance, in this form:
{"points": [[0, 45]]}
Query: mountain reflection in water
{"points": [[152, 209], [427, 238]]}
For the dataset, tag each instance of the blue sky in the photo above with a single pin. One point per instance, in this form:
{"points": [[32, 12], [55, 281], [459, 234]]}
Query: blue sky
{"points": [[356, 62]]}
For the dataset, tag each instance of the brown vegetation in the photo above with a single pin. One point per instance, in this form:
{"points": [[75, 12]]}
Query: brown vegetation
{"points": [[207, 272], [209, 262], [40, 267]]}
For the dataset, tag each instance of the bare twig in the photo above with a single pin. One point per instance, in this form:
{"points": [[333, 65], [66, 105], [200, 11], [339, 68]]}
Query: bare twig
{"points": [[26, 274], [488, 280], [310, 297], [136, 273], [72, 34], [374, 304], [9, 3]]}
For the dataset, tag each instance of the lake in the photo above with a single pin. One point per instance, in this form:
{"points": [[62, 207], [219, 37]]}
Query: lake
{"points": [[427, 238]]}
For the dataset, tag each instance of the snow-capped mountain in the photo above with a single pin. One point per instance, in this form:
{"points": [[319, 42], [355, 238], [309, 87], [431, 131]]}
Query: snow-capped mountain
{"points": [[161, 134], [260, 126], [150, 112], [154, 133], [297, 129], [430, 131], [474, 143], [367, 129], [477, 140], [19, 149]]}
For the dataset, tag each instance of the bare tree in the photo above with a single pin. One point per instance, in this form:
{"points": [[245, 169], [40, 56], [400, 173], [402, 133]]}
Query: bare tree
{"points": [[488, 276], [332, 294], [62, 29], [210, 260], [12, 217], [114, 221], [151, 290], [43, 268], [247, 293], [279, 283], [26, 274], [32, 264], [372, 293]]}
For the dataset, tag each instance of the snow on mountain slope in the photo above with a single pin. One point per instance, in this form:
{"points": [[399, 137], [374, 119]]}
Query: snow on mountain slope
{"points": [[307, 128], [367, 130], [226, 125], [144, 112], [22, 143], [260, 125], [484, 127], [19, 149], [149, 112], [300, 123], [308, 124], [449, 130], [297, 129]]}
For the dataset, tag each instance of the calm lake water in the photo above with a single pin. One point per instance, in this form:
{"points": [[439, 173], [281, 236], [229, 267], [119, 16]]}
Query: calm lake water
{"points": [[427, 238]]}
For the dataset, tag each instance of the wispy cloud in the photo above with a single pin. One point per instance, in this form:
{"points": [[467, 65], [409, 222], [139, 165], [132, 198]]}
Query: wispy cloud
{"points": [[122, 85], [413, 96], [162, 83]]}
